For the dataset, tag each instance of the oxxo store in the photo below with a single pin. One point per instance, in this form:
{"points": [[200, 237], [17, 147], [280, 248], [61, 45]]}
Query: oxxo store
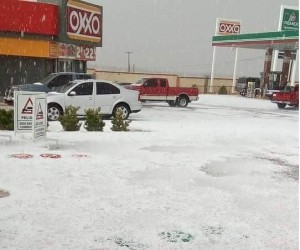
{"points": [[46, 36]]}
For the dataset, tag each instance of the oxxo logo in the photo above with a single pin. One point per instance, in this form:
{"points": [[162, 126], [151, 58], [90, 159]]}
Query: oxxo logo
{"points": [[84, 22], [229, 28]]}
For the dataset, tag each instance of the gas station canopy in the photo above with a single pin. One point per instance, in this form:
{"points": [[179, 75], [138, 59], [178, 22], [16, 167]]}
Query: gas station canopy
{"points": [[280, 40]]}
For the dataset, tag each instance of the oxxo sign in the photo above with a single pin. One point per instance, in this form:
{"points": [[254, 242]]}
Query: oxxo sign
{"points": [[84, 22], [228, 27]]}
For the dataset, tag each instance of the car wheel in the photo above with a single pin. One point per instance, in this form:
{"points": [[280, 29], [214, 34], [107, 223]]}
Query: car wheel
{"points": [[54, 111], [182, 101], [281, 105], [124, 108], [172, 103]]}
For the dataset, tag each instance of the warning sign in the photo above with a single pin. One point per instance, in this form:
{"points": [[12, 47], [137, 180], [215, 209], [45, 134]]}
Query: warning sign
{"points": [[23, 106], [40, 114], [40, 121], [28, 108], [30, 113]]}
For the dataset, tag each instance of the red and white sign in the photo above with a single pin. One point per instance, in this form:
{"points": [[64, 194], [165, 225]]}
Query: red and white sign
{"points": [[84, 22], [28, 107], [228, 27]]}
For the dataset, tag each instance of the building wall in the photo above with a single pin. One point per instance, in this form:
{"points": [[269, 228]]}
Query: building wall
{"points": [[130, 77], [21, 70], [201, 82]]}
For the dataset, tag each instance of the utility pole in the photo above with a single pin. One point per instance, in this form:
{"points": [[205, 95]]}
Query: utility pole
{"points": [[128, 59]]}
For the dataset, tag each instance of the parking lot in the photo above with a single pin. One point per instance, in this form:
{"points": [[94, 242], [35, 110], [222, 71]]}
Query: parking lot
{"points": [[219, 174]]}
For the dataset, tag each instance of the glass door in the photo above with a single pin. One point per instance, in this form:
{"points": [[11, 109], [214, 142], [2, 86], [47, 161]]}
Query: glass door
{"points": [[66, 66]]}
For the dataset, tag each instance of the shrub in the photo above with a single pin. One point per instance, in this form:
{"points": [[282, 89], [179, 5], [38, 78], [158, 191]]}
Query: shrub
{"points": [[6, 119], [119, 124], [222, 90], [69, 120], [94, 121]]}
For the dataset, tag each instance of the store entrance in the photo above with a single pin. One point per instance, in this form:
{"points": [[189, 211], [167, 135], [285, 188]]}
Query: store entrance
{"points": [[71, 66], [66, 66]]}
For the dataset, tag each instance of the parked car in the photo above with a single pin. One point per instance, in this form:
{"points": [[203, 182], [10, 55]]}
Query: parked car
{"points": [[289, 96], [107, 96], [123, 83], [158, 89], [242, 83], [52, 82], [9, 93]]}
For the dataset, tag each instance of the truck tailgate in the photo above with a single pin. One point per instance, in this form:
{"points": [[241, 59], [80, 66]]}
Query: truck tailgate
{"points": [[282, 97]]}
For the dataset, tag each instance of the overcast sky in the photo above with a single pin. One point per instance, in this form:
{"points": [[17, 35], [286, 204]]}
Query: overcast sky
{"points": [[175, 35]]}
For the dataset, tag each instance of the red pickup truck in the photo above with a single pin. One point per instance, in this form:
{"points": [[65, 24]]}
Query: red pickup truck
{"points": [[157, 89], [290, 96]]}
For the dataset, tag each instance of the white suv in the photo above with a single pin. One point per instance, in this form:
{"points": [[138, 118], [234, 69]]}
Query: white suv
{"points": [[92, 93]]}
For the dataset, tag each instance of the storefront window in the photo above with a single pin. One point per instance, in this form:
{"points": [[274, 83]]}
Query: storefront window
{"points": [[66, 66]]}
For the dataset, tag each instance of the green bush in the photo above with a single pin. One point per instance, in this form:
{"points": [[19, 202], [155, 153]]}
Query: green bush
{"points": [[119, 124], [6, 119], [94, 121], [222, 90], [69, 120]]}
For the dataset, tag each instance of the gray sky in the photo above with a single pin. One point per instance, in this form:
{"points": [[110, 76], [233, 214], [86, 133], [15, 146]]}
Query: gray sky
{"points": [[175, 36]]}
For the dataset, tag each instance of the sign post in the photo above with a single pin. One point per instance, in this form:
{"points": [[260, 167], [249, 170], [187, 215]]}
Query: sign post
{"points": [[30, 114], [225, 27]]}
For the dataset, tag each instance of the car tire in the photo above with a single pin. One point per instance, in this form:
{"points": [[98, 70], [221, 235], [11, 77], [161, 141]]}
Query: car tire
{"points": [[54, 111], [281, 105], [182, 101], [124, 108], [172, 103]]}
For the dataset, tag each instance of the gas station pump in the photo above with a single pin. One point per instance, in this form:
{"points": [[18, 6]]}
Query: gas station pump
{"points": [[274, 84]]}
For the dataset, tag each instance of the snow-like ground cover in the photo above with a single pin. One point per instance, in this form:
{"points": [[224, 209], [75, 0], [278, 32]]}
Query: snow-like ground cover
{"points": [[219, 174]]}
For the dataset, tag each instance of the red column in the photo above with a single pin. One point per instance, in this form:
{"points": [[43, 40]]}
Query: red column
{"points": [[285, 67], [267, 68]]}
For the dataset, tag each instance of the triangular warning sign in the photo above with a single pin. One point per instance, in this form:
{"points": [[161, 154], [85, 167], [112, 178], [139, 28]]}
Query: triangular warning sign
{"points": [[28, 107], [39, 114]]}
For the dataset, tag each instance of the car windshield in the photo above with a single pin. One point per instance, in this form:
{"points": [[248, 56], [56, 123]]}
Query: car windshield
{"points": [[140, 82], [34, 87], [65, 87], [47, 78]]}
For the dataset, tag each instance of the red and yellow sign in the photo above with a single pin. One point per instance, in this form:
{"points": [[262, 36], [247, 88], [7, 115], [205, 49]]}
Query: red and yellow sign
{"points": [[71, 51], [46, 49]]}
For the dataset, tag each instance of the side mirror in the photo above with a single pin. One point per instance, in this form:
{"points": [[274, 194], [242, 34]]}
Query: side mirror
{"points": [[145, 84], [72, 93]]}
